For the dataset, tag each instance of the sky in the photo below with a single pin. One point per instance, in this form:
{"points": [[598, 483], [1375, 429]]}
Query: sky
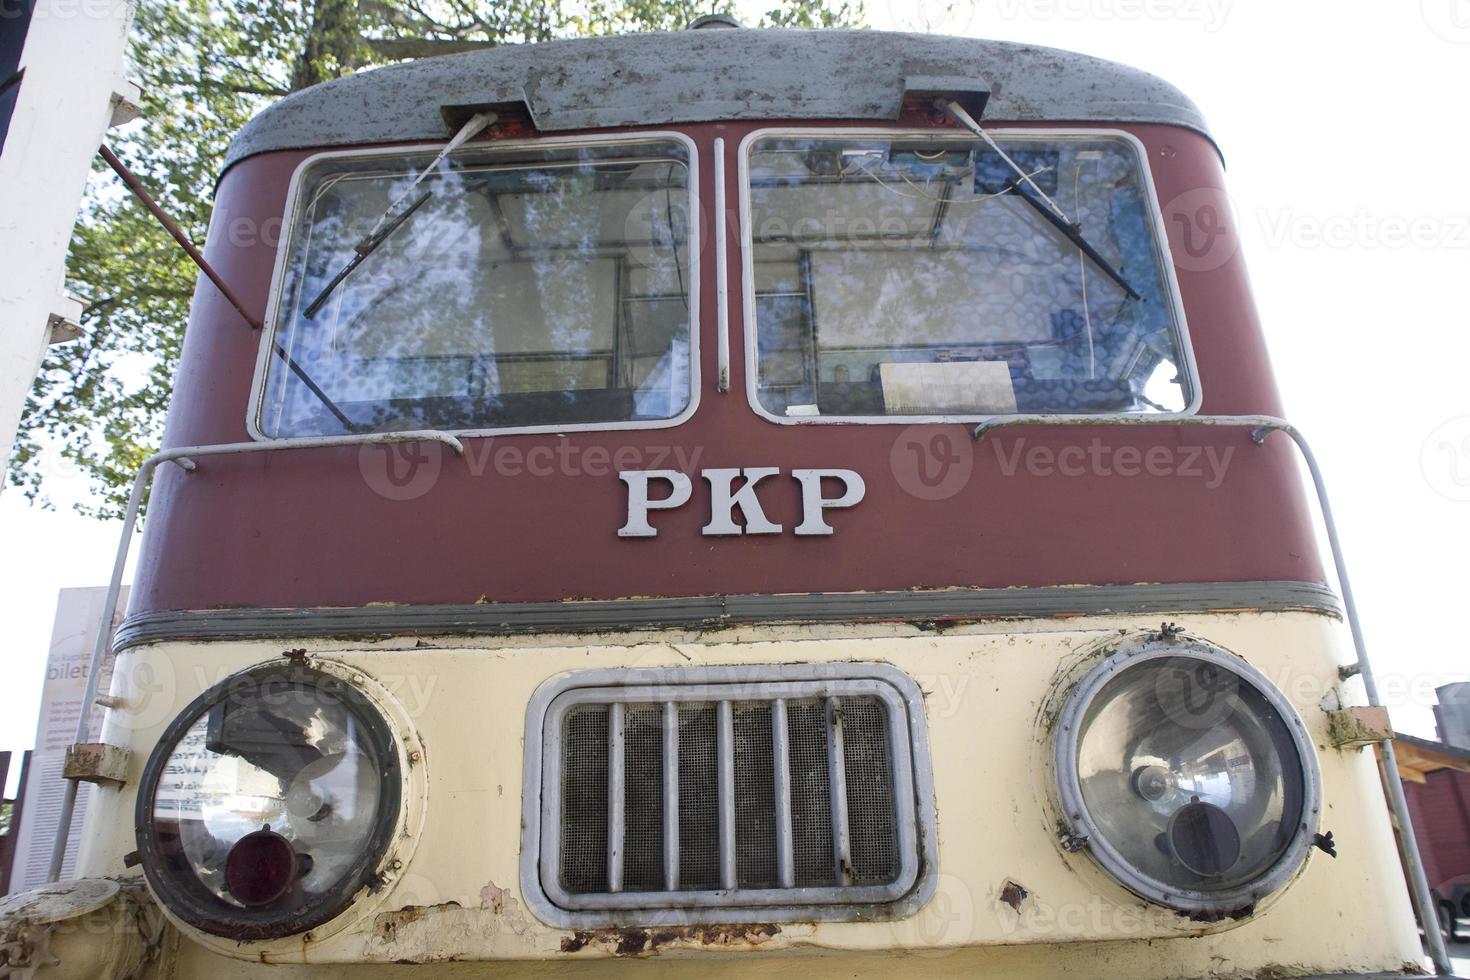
{"points": [[1344, 132]]}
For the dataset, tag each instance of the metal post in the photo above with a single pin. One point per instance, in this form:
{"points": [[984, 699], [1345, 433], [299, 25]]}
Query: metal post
{"points": [[1262, 426]]}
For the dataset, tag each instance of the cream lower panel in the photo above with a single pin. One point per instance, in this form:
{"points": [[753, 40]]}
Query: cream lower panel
{"points": [[985, 687]]}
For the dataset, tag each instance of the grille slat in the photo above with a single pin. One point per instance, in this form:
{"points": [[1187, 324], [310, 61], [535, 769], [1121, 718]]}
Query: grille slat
{"points": [[615, 813], [781, 760], [672, 801], [837, 792], [729, 874], [686, 797]]}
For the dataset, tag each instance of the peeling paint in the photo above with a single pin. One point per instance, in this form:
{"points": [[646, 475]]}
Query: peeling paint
{"points": [[387, 924], [1013, 894], [642, 942]]}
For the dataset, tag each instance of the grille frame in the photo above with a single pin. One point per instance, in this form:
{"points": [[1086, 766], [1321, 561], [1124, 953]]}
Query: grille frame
{"points": [[909, 773]]}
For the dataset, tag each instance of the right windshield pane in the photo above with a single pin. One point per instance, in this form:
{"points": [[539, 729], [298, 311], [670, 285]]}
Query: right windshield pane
{"points": [[922, 277]]}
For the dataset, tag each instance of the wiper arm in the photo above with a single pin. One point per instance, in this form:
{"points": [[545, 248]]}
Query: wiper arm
{"points": [[383, 228], [1049, 209]]}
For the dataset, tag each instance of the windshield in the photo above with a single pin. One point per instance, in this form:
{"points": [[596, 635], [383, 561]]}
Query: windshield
{"points": [[907, 277], [523, 287]]}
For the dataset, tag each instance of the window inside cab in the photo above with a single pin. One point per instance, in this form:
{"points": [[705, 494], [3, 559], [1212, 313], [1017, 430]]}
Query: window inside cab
{"points": [[921, 277], [541, 286]]}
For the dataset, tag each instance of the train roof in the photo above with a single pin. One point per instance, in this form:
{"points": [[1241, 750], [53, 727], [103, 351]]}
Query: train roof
{"points": [[704, 75]]}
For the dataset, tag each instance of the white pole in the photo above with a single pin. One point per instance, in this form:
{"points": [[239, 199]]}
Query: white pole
{"points": [[68, 88]]}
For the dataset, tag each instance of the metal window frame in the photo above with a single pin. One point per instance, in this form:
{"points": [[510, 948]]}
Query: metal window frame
{"points": [[912, 779], [289, 231], [1187, 366], [1067, 739]]}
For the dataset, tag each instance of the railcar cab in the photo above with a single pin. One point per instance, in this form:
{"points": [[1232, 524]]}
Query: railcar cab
{"points": [[605, 464]]}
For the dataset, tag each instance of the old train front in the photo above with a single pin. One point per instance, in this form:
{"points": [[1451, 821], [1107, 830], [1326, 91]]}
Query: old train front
{"points": [[593, 554]]}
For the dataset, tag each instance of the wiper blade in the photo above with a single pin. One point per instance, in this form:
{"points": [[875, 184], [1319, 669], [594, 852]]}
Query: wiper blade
{"points": [[383, 228], [363, 249], [1049, 209], [1074, 234]]}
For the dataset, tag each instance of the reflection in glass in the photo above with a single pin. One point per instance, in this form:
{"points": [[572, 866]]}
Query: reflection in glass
{"points": [[906, 277], [271, 796], [1189, 773], [534, 287]]}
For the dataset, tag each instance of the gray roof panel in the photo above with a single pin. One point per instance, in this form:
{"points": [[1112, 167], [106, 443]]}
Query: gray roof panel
{"points": [[704, 75]]}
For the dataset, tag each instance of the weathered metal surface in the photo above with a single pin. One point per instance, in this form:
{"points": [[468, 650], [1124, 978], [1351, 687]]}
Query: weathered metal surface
{"points": [[1355, 727], [985, 687], [643, 942], [699, 76], [927, 607], [97, 762]]}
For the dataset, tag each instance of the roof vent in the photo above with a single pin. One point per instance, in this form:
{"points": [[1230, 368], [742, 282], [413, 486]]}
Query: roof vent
{"points": [[714, 20]]}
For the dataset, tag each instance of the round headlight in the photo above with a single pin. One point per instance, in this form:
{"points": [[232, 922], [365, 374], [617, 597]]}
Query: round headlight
{"points": [[269, 803], [1188, 775]]}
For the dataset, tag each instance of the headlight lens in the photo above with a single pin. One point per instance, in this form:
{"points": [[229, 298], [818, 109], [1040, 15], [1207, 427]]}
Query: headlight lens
{"points": [[1190, 776], [269, 803]]}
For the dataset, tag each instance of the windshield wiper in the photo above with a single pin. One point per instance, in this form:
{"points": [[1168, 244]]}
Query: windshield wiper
{"points": [[388, 222], [1049, 210]]}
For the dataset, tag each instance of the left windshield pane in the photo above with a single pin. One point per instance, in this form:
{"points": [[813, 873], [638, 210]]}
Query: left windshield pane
{"points": [[532, 287]]}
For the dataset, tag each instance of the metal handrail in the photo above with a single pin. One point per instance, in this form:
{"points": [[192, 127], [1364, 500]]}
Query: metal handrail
{"points": [[184, 457], [1261, 427]]}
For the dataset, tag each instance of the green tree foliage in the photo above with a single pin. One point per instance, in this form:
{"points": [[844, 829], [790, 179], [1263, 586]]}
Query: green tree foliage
{"points": [[207, 66]]}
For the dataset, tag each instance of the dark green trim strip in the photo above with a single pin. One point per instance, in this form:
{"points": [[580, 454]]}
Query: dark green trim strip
{"points": [[718, 612]]}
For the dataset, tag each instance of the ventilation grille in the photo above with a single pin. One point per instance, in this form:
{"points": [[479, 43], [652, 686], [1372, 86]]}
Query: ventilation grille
{"points": [[757, 794]]}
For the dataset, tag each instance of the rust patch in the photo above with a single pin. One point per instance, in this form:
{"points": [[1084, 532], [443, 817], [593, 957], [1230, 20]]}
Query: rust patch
{"points": [[1244, 912], [386, 925], [641, 942], [1013, 894]]}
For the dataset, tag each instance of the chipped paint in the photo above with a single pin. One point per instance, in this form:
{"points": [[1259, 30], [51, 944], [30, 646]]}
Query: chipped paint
{"points": [[646, 942]]}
